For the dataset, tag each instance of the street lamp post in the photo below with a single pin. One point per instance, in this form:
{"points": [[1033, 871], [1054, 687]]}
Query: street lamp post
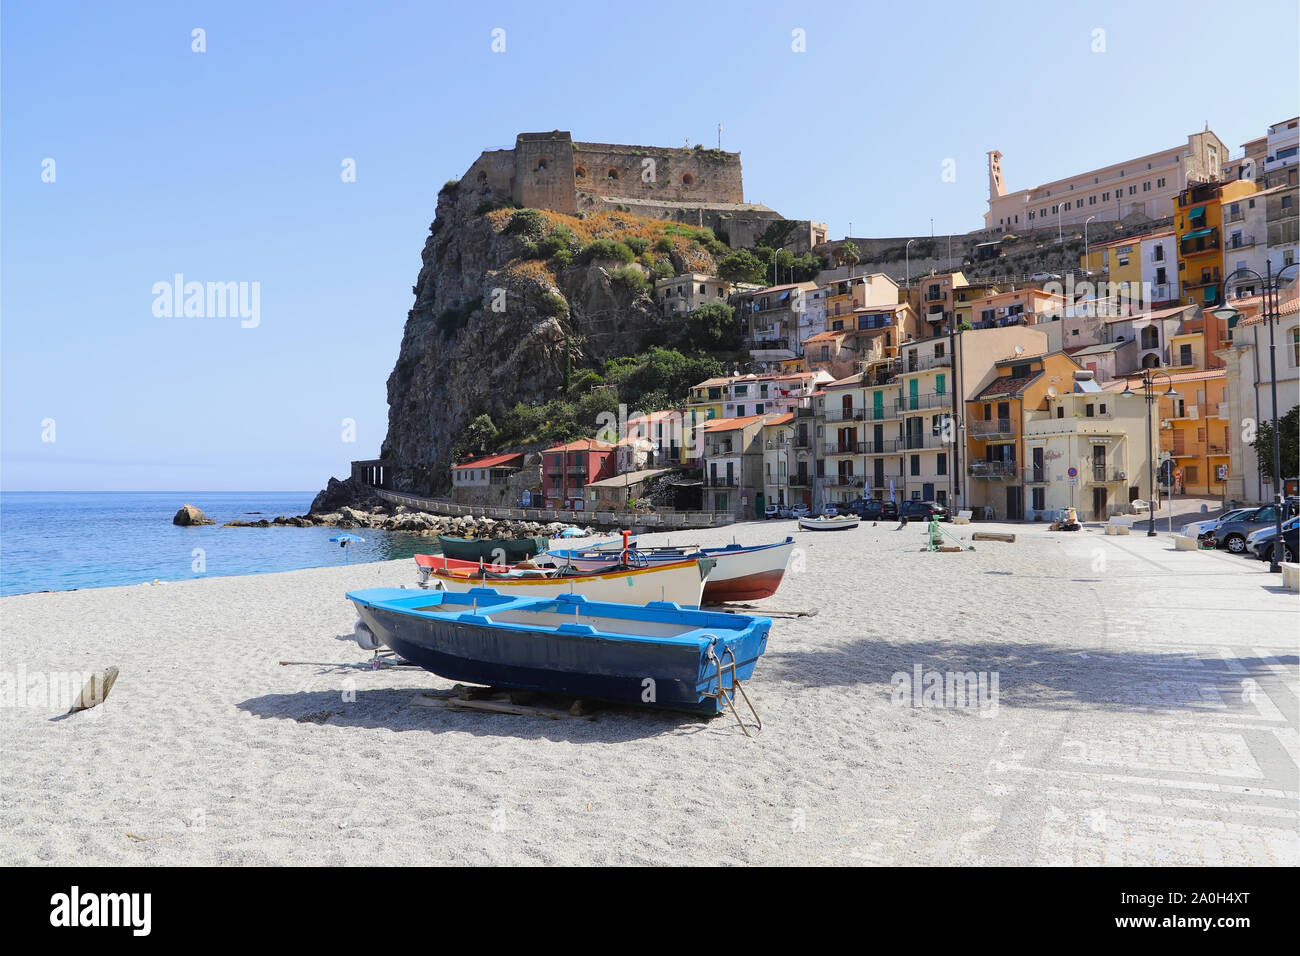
{"points": [[1271, 302], [1087, 257], [907, 263], [1149, 393]]}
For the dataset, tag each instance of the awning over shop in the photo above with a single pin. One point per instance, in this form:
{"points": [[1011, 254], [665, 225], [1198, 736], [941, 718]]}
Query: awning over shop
{"points": [[1197, 234], [1197, 212]]}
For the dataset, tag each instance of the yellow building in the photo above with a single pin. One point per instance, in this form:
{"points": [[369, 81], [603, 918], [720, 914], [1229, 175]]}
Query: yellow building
{"points": [[995, 430], [1198, 220], [1194, 428]]}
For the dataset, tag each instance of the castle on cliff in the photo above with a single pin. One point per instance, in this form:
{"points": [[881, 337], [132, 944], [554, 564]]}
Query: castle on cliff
{"points": [[697, 186]]}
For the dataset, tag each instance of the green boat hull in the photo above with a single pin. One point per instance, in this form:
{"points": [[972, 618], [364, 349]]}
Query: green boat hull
{"points": [[491, 550]]}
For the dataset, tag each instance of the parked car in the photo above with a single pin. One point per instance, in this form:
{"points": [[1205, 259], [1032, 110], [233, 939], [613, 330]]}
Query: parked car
{"points": [[1195, 528], [872, 510], [1044, 276], [786, 512], [889, 510], [830, 511], [1232, 534], [800, 511], [1260, 543], [914, 510], [771, 511], [1290, 544]]}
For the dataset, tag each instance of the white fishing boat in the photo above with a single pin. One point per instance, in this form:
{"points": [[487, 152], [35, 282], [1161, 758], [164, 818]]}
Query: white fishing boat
{"points": [[681, 582], [822, 523]]}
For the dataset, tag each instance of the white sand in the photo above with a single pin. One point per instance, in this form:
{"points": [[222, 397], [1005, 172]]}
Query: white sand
{"points": [[1147, 714]]}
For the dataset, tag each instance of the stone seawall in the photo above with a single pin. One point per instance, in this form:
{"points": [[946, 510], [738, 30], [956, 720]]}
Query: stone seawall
{"points": [[661, 520]]}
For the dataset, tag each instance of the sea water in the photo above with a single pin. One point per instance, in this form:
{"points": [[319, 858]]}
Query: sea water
{"points": [[57, 541]]}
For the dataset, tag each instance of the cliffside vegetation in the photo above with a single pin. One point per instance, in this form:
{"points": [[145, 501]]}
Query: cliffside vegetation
{"points": [[528, 324]]}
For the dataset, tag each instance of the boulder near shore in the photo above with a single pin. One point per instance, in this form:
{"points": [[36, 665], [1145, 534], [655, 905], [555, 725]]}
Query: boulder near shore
{"points": [[190, 515]]}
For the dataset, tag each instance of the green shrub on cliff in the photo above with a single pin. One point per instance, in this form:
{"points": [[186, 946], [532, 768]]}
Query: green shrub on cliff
{"points": [[554, 304], [711, 328], [607, 249], [476, 438], [664, 376], [638, 244], [631, 279], [741, 266], [527, 224]]}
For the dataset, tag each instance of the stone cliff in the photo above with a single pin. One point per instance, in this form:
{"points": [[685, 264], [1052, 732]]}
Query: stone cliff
{"points": [[492, 327]]}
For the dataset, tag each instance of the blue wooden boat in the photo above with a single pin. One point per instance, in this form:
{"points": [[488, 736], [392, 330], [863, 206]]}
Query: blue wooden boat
{"points": [[659, 655]]}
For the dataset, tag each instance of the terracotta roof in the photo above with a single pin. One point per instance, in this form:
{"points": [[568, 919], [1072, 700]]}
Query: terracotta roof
{"points": [[824, 337], [807, 286], [1288, 307], [1149, 316], [490, 461], [1007, 385], [1161, 382], [581, 444], [849, 381], [785, 419], [730, 424]]}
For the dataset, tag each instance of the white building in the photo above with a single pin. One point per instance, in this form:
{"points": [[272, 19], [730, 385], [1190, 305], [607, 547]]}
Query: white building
{"points": [[686, 293]]}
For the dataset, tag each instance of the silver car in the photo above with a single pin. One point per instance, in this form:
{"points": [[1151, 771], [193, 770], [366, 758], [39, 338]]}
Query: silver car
{"points": [[1232, 534], [1195, 529], [1260, 543]]}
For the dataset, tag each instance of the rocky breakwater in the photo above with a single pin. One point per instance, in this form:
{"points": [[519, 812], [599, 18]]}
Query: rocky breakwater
{"points": [[350, 505]]}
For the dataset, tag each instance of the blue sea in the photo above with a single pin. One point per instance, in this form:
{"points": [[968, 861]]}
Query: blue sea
{"points": [[57, 541]]}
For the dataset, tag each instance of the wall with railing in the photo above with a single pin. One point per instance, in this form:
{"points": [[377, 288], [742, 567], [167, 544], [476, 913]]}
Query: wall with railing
{"points": [[661, 518]]}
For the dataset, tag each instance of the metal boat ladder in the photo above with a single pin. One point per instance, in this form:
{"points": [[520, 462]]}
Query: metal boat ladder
{"points": [[730, 698]]}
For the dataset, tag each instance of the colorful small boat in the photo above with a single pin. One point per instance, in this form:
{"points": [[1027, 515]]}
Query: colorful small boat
{"points": [[499, 550], [743, 572], [599, 559], [680, 582], [659, 655], [428, 563], [822, 523]]}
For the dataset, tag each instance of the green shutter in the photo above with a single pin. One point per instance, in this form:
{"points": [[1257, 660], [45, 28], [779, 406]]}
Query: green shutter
{"points": [[939, 383]]}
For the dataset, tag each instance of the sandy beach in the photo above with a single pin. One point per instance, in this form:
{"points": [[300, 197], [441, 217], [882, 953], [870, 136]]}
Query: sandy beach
{"points": [[1146, 713]]}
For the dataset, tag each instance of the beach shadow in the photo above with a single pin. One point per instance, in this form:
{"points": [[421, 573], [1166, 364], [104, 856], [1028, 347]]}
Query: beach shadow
{"points": [[1037, 675], [392, 708]]}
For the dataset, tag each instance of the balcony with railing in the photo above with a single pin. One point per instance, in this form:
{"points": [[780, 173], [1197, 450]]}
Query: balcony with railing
{"points": [[1034, 475], [800, 480], [993, 469], [921, 363], [721, 481], [1200, 244], [925, 440], [887, 446], [843, 481], [1236, 241], [846, 448], [1104, 475], [846, 414], [913, 403], [991, 428]]}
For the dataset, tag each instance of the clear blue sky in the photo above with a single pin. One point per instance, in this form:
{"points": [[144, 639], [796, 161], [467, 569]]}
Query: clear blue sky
{"points": [[225, 166]]}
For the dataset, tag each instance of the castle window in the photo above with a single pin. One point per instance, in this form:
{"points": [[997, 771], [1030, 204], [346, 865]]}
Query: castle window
{"points": [[611, 173], [543, 162], [688, 179], [580, 173]]}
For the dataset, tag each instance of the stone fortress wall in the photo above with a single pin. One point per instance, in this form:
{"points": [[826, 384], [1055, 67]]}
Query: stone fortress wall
{"points": [[696, 187]]}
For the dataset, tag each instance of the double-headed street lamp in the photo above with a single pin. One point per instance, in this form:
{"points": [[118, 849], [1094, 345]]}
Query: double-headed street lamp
{"points": [[1271, 301], [1149, 392]]}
